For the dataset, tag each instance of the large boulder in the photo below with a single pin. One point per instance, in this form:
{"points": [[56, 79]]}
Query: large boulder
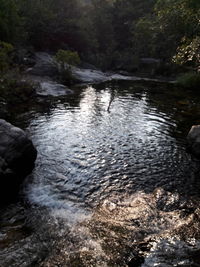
{"points": [[17, 157], [193, 139], [44, 65]]}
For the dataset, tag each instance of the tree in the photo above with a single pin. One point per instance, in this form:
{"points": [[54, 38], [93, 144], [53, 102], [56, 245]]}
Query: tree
{"points": [[178, 20], [10, 21], [52, 24], [189, 53]]}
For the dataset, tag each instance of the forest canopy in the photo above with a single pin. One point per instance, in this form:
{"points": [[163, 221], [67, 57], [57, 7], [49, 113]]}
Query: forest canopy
{"points": [[108, 33]]}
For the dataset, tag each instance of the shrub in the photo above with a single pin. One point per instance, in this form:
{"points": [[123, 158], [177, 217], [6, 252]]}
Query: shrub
{"points": [[188, 53], [189, 80], [15, 90], [65, 59], [6, 50]]}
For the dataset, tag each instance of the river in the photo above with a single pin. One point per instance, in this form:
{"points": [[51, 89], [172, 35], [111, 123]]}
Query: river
{"points": [[113, 183]]}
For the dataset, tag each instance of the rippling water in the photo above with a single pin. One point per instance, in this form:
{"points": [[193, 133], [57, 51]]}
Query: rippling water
{"points": [[113, 184]]}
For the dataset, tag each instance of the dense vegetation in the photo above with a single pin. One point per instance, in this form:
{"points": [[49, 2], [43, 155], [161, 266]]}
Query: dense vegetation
{"points": [[111, 34]]}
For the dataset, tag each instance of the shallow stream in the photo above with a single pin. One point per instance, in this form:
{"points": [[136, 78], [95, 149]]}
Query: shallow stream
{"points": [[113, 183]]}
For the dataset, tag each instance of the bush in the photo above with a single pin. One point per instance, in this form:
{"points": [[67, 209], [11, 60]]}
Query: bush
{"points": [[65, 59], [15, 90], [12, 88], [189, 80], [6, 50]]}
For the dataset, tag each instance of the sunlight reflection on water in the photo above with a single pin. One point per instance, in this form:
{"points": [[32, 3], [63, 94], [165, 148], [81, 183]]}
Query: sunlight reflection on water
{"points": [[108, 186]]}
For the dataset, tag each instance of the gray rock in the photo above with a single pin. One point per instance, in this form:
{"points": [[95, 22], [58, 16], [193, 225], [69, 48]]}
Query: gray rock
{"points": [[45, 65], [52, 88], [193, 139], [17, 157], [150, 60]]}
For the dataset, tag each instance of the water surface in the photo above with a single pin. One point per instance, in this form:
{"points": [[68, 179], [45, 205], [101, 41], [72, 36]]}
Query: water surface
{"points": [[113, 183]]}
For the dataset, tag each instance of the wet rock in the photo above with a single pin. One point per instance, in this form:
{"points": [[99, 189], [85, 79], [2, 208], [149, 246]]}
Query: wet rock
{"points": [[193, 139], [89, 75], [17, 157], [46, 86], [172, 251], [51, 88]]}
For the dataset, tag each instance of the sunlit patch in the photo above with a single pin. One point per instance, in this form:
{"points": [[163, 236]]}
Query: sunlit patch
{"points": [[142, 225]]}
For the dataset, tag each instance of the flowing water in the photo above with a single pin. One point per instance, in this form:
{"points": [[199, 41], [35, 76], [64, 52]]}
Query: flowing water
{"points": [[113, 183]]}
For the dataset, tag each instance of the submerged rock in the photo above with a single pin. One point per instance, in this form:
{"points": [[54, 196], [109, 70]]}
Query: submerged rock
{"points": [[17, 157], [193, 139]]}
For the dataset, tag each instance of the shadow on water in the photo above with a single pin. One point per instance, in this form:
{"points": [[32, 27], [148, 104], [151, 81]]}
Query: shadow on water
{"points": [[113, 183]]}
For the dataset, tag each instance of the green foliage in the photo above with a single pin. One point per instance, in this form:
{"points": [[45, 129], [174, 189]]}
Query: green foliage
{"points": [[143, 37], [10, 21], [178, 21], [107, 33], [5, 56], [171, 32], [189, 80], [65, 59], [12, 88], [52, 24], [15, 90], [189, 53]]}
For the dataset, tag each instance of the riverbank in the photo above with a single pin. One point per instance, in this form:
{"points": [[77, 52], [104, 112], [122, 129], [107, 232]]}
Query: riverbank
{"points": [[45, 74]]}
